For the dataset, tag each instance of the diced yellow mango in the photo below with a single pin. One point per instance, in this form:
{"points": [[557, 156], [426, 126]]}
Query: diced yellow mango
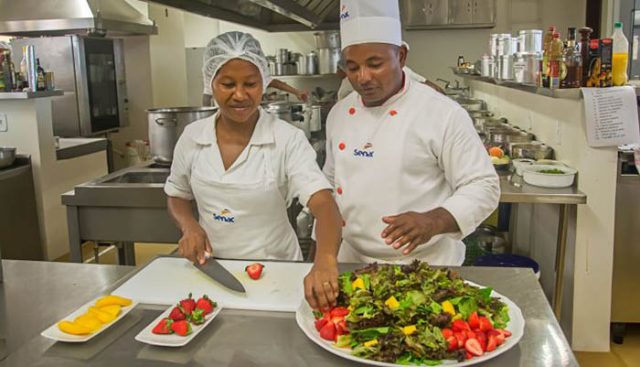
{"points": [[73, 328], [456, 317], [408, 330], [392, 302], [371, 343], [113, 300], [358, 283], [448, 308]]}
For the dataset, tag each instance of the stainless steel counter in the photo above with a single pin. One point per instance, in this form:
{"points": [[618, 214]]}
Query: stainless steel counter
{"points": [[37, 294]]}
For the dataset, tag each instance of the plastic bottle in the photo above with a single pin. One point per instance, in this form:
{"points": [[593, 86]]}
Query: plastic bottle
{"points": [[620, 56], [557, 71], [548, 37]]}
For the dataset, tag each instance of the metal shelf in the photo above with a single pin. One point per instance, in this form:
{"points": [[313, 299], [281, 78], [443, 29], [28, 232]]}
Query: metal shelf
{"points": [[305, 76], [30, 95]]}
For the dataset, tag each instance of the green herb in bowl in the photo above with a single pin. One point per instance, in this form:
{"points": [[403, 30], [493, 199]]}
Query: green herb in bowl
{"points": [[552, 171]]}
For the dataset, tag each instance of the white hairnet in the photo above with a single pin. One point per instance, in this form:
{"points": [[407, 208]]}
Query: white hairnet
{"points": [[229, 46]]}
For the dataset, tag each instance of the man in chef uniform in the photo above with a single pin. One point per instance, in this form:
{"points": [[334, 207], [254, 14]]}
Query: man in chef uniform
{"points": [[410, 174]]}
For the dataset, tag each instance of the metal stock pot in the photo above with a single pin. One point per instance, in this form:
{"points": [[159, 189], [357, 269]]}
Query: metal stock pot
{"points": [[167, 124]]}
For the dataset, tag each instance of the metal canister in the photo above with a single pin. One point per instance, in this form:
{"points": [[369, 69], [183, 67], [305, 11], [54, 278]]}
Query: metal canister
{"points": [[486, 66], [49, 81], [526, 67], [312, 63], [530, 41], [493, 44], [505, 44], [32, 68], [506, 67]]}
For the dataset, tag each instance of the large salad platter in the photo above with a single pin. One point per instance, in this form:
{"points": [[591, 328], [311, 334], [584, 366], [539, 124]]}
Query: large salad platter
{"points": [[390, 315]]}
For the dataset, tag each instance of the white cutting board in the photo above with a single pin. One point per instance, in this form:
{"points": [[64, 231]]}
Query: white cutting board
{"points": [[166, 280]]}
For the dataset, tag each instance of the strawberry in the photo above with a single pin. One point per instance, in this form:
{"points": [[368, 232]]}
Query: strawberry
{"points": [[482, 338], [254, 270], [492, 343], [453, 343], [485, 324], [473, 320], [177, 314], [461, 337], [473, 346], [468, 355], [197, 316], [498, 335], [188, 305], [339, 311], [505, 332], [471, 334], [205, 304], [446, 333], [460, 325], [321, 322], [182, 327], [328, 331], [163, 327]]}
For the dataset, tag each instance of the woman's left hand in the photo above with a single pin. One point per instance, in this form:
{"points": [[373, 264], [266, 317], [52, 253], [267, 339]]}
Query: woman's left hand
{"points": [[321, 284]]}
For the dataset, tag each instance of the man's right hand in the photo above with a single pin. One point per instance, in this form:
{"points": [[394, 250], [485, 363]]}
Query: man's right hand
{"points": [[194, 243]]}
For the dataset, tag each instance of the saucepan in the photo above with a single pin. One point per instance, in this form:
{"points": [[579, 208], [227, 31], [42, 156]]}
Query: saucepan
{"points": [[7, 156]]}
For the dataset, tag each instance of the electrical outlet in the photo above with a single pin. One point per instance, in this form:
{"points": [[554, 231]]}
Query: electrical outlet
{"points": [[4, 123]]}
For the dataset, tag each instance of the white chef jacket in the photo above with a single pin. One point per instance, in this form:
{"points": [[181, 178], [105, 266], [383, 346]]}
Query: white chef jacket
{"points": [[346, 87], [278, 155], [416, 152]]}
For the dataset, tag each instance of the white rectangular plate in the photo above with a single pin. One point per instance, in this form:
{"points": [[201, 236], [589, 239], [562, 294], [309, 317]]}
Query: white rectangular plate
{"points": [[174, 340], [56, 334]]}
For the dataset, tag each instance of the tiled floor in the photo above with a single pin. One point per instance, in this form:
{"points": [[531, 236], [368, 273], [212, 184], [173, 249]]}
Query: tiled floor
{"points": [[625, 355]]}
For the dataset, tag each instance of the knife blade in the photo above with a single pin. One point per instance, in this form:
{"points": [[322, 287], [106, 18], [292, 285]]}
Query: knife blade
{"points": [[220, 274]]}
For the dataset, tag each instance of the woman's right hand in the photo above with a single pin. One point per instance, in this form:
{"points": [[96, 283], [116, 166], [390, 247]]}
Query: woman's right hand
{"points": [[194, 244]]}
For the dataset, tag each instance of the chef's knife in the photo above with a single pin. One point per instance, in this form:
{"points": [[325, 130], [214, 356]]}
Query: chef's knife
{"points": [[221, 275]]}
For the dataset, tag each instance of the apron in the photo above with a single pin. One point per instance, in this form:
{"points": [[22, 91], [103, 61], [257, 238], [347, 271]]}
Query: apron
{"points": [[245, 221], [376, 146]]}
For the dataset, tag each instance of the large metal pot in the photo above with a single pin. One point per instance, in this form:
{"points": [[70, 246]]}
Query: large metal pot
{"points": [[328, 59], [167, 124], [327, 39], [7, 156]]}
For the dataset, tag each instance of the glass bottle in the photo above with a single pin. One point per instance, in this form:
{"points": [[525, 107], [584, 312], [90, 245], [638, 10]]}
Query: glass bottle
{"points": [[573, 62], [556, 66], [41, 81], [583, 49], [548, 37]]}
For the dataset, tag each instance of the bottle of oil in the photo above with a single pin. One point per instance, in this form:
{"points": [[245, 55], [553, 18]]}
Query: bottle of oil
{"points": [[572, 62], [620, 56], [557, 71], [544, 68]]}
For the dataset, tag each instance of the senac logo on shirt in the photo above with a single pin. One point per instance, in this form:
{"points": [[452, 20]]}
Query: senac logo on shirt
{"points": [[366, 151], [344, 12], [224, 216]]}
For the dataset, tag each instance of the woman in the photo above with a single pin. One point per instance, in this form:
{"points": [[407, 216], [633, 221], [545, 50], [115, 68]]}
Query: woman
{"points": [[243, 167]]}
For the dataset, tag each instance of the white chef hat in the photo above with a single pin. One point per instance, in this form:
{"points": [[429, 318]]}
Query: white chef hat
{"points": [[229, 46], [370, 21]]}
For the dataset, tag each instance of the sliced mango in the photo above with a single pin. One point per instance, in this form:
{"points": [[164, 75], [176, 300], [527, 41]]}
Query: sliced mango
{"points": [[448, 308], [408, 330], [112, 309], [73, 328], [358, 283], [113, 300], [371, 343], [392, 302], [103, 316], [89, 321]]}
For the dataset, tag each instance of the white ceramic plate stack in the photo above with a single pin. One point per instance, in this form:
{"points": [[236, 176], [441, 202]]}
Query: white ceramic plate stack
{"points": [[534, 175]]}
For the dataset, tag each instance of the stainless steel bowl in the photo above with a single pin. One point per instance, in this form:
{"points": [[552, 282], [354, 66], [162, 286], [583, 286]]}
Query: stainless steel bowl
{"points": [[7, 156]]}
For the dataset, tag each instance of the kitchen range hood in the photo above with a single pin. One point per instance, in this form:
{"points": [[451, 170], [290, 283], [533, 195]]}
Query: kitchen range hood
{"points": [[58, 17], [269, 15]]}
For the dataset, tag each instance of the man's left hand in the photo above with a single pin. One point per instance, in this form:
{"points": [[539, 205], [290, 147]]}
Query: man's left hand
{"points": [[412, 229]]}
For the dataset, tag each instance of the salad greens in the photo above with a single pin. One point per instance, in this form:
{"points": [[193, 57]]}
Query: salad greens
{"points": [[397, 312]]}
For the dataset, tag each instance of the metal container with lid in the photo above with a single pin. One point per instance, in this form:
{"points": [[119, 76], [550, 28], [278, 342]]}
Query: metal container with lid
{"points": [[530, 41], [7, 156], [167, 124], [526, 68], [327, 39], [328, 59]]}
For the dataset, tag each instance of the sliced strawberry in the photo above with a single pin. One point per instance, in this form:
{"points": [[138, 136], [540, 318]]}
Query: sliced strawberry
{"points": [[498, 335], [474, 322], [470, 334], [492, 343], [485, 324], [446, 333], [341, 328], [453, 343], [188, 305], [254, 270], [328, 331], [321, 322], [177, 314], [460, 325], [205, 304], [473, 346], [482, 338], [468, 355], [506, 332], [182, 328], [163, 327], [339, 311], [461, 337]]}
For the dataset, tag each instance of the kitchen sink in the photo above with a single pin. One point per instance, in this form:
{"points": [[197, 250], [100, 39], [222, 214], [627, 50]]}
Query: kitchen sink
{"points": [[151, 177]]}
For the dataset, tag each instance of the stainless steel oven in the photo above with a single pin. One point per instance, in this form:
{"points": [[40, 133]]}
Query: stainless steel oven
{"points": [[91, 72]]}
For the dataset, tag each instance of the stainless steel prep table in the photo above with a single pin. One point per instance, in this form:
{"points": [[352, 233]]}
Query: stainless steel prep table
{"points": [[37, 294]]}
